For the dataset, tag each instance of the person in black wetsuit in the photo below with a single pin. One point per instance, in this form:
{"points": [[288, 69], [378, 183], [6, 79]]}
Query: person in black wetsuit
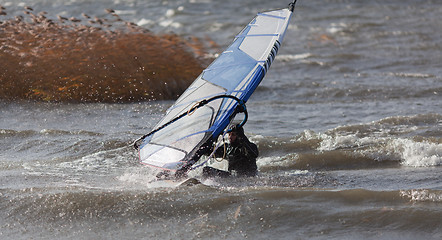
{"points": [[240, 153]]}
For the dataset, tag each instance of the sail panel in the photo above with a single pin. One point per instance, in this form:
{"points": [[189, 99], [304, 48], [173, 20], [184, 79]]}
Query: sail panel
{"points": [[199, 90]]}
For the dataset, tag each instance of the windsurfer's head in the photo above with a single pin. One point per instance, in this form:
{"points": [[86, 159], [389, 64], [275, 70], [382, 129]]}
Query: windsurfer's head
{"points": [[236, 133]]}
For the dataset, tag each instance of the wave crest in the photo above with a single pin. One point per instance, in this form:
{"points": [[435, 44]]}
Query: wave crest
{"points": [[405, 140]]}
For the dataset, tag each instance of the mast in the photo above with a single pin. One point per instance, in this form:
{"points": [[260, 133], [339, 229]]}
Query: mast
{"points": [[292, 5]]}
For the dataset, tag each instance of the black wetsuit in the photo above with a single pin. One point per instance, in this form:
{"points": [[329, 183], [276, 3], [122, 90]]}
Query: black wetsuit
{"points": [[241, 156]]}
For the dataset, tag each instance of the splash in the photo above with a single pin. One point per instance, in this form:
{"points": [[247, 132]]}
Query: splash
{"points": [[418, 154], [422, 195], [412, 140], [92, 60]]}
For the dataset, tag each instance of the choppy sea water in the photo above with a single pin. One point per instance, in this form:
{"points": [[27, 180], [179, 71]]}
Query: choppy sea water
{"points": [[348, 122]]}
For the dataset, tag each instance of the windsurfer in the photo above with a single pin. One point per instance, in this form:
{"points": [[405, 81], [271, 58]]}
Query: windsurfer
{"points": [[240, 153]]}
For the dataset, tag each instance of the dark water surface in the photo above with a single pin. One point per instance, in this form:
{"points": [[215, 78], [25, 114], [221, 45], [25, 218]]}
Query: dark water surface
{"points": [[348, 122]]}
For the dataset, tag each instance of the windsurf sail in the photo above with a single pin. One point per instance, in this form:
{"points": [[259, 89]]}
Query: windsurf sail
{"points": [[211, 102]]}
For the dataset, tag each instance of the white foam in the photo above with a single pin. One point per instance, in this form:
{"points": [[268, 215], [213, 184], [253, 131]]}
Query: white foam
{"points": [[293, 57], [142, 176], [170, 23], [126, 12], [170, 13], [329, 143], [422, 195], [337, 27], [282, 161], [410, 152], [144, 22], [418, 154], [216, 26], [411, 75]]}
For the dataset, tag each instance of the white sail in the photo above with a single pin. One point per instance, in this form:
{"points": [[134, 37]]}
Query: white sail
{"points": [[231, 79]]}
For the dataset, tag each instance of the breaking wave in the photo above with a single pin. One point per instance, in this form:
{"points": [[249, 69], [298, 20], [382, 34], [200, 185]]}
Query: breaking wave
{"points": [[408, 141]]}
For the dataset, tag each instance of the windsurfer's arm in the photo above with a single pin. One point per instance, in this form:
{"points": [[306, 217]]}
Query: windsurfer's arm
{"points": [[251, 148]]}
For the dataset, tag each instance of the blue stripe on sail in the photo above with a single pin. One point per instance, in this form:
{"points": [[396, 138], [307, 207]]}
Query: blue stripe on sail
{"points": [[259, 35], [223, 119], [268, 15]]}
